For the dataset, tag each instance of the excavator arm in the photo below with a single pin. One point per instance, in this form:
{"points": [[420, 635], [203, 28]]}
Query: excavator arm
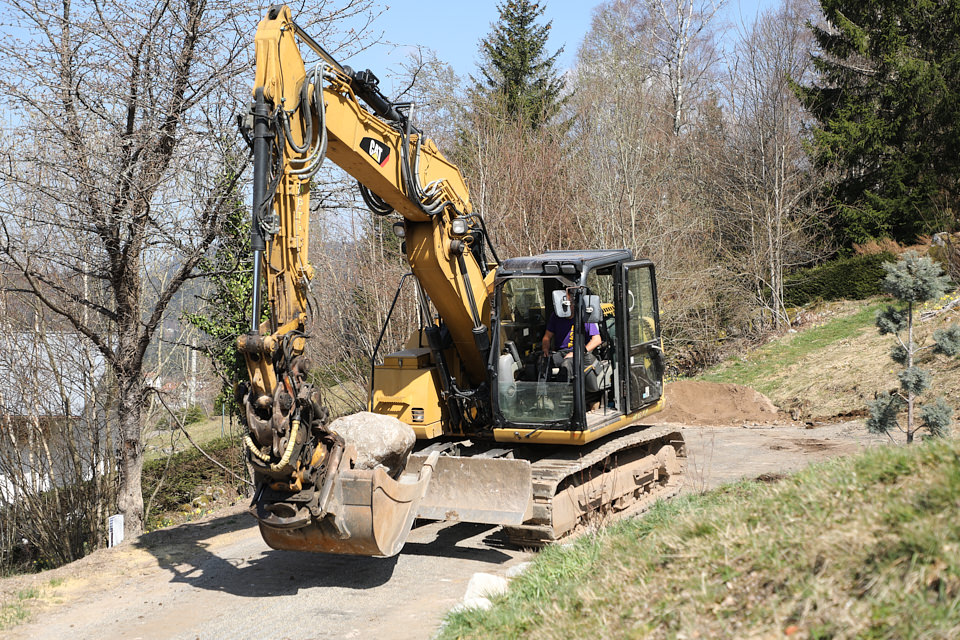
{"points": [[300, 118], [309, 496]]}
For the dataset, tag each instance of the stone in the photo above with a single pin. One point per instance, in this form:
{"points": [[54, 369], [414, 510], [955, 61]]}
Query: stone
{"points": [[516, 570], [472, 603], [485, 585], [379, 440]]}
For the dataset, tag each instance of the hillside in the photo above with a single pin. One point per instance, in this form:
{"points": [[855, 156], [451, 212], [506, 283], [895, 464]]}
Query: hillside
{"points": [[836, 362], [858, 547]]}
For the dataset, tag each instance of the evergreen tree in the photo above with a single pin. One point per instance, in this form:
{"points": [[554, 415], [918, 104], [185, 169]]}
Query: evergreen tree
{"points": [[888, 113], [912, 281], [517, 72]]}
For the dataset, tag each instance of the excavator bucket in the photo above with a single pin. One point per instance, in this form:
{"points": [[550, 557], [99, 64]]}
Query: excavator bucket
{"points": [[368, 513]]}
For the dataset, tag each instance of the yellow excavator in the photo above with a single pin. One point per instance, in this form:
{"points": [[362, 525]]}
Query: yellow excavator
{"points": [[504, 434]]}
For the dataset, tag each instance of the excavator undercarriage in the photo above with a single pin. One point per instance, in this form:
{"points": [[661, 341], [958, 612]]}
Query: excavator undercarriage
{"points": [[366, 512], [614, 478]]}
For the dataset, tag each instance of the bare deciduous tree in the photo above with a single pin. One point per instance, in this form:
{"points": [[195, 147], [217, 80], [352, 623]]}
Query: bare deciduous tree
{"points": [[767, 181], [683, 31], [644, 190], [128, 111]]}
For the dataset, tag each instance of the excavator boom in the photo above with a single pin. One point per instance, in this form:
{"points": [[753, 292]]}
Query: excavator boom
{"points": [[309, 493]]}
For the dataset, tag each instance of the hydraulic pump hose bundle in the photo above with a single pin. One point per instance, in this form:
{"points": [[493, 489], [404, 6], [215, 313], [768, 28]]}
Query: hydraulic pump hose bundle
{"points": [[315, 156]]}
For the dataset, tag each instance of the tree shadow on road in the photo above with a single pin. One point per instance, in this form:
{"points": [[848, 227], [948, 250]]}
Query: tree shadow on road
{"points": [[241, 567]]}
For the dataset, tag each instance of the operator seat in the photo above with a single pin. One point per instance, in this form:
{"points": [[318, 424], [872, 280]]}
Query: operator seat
{"points": [[599, 375]]}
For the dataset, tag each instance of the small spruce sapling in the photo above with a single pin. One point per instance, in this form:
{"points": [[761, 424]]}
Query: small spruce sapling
{"points": [[912, 281]]}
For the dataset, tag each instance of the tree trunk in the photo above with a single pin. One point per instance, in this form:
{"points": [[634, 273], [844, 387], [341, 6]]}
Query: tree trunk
{"points": [[130, 492], [910, 350]]}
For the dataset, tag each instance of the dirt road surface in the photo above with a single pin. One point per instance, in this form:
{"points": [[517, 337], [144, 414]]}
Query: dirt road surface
{"points": [[719, 455], [217, 579]]}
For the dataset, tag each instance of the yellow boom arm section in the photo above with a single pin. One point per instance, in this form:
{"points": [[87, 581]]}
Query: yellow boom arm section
{"points": [[310, 493], [320, 115]]}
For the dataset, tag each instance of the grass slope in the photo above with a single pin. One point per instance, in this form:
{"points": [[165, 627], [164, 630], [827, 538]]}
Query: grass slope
{"points": [[760, 368], [835, 366], [190, 485], [860, 547], [158, 443]]}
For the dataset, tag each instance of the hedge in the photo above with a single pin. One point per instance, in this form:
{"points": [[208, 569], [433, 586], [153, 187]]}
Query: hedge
{"points": [[853, 278]]}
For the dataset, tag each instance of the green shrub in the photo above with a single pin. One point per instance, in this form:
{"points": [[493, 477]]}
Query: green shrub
{"points": [[193, 414], [188, 472], [853, 278]]}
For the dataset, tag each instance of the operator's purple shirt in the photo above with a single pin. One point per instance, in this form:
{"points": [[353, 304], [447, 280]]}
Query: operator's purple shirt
{"points": [[564, 327]]}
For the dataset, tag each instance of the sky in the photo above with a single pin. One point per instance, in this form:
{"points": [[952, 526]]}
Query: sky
{"points": [[453, 30]]}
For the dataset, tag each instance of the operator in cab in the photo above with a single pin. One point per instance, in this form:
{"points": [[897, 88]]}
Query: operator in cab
{"points": [[561, 350]]}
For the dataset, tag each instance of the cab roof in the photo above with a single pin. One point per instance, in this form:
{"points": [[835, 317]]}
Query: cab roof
{"points": [[580, 260]]}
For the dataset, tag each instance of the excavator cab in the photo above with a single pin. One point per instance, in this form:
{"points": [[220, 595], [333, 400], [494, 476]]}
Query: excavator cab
{"points": [[604, 292]]}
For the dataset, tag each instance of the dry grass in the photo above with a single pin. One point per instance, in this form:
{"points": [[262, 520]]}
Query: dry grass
{"points": [[159, 443], [16, 608], [340, 399], [833, 368], [345, 398]]}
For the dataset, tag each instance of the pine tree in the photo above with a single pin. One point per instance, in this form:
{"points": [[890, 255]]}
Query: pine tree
{"points": [[889, 118], [517, 72], [912, 281]]}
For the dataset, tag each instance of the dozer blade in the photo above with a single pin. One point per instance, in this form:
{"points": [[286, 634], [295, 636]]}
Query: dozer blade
{"points": [[368, 514], [484, 490]]}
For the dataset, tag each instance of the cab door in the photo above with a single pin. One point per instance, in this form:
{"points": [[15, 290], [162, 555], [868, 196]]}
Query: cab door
{"points": [[640, 326]]}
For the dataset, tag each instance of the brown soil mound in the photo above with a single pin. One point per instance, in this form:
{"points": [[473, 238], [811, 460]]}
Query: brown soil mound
{"points": [[709, 404]]}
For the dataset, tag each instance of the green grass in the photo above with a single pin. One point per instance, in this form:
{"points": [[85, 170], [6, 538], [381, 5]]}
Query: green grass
{"points": [[17, 608], [860, 547], [202, 432], [758, 369]]}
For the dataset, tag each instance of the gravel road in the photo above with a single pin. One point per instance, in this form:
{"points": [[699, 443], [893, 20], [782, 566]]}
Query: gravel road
{"points": [[217, 579]]}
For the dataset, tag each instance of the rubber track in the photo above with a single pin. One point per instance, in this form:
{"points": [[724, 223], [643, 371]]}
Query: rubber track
{"points": [[549, 473]]}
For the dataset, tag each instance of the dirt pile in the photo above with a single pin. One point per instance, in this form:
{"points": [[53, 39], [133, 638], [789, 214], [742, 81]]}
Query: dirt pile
{"points": [[712, 404]]}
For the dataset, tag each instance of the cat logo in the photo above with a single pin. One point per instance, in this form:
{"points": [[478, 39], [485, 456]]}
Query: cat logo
{"points": [[377, 150]]}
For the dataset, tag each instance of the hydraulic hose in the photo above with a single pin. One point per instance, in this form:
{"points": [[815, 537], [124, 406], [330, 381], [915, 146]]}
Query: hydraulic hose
{"points": [[303, 108], [287, 454], [466, 279], [291, 443], [309, 166]]}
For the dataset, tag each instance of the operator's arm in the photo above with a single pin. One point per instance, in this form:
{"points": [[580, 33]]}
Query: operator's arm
{"points": [[547, 342], [594, 342]]}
